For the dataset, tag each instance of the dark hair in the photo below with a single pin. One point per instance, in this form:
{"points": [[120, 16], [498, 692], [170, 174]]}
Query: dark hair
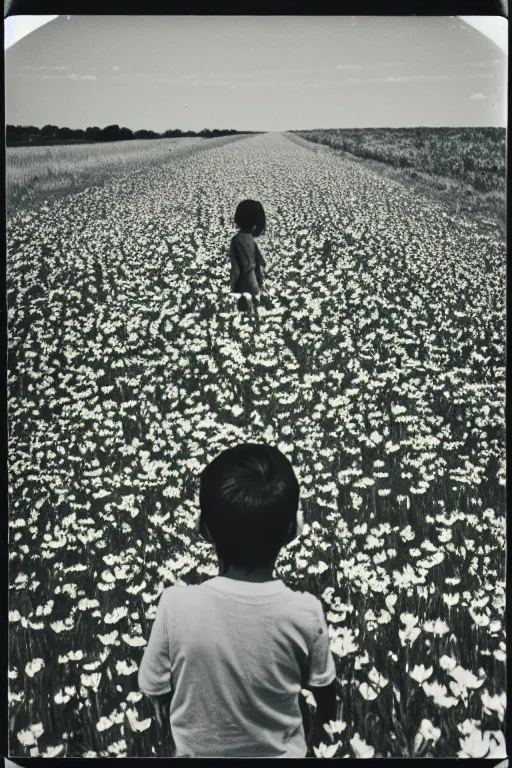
{"points": [[249, 496], [249, 214]]}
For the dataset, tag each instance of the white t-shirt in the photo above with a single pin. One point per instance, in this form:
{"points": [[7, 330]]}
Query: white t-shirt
{"points": [[236, 655]]}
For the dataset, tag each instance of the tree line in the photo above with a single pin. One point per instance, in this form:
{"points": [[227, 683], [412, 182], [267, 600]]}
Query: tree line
{"points": [[31, 134]]}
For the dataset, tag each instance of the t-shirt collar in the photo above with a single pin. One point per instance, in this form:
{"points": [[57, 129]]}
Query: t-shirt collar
{"points": [[249, 588]]}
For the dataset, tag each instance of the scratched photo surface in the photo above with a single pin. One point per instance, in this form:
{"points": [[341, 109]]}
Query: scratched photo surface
{"points": [[376, 363]]}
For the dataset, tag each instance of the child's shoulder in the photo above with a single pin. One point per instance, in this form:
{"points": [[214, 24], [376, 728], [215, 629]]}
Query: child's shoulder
{"points": [[183, 593], [305, 601], [177, 592]]}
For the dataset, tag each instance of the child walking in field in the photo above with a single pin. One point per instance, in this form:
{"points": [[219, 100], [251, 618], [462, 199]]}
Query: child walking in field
{"points": [[227, 659], [247, 263]]}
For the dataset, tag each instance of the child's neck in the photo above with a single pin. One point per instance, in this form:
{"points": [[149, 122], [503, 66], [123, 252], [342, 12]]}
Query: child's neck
{"points": [[257, 575]]}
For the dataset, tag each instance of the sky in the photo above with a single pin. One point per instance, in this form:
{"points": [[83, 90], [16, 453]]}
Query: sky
{"points": [[262, 73]]}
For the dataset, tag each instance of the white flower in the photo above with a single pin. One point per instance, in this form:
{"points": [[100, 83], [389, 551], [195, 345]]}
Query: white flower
{"points": [[104, 723], [61, 698], [360, 660], [334, 726], [344, 643], [477, 744], [320, 567], [426, 732], [409, 634], [134, 641], [26, 738], [446, 662], [468, 726], [494, 703], [466, 678], [309, 698], [439, 693], [325, 751], [361, 748], [368, 692], [122, 668], [407, 534], [420, 674], [436, 627], [33, 667], [134, 696], [29, 737], [451, 599], [375, 677], [91, 681], [390, 601], [498, 747], [135, 724], [84, 604], [53, 751], [116, 615]]}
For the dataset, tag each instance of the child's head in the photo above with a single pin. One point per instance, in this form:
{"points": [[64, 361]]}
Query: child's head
{"points": [[250, 217], [249, 498]]}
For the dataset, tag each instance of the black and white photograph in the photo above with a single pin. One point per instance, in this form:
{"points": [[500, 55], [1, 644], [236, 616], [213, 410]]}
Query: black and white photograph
{"points": [[256, 321]]}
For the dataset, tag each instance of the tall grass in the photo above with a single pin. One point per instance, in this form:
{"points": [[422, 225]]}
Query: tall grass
{"points": [[467, 165], [36, 174]]}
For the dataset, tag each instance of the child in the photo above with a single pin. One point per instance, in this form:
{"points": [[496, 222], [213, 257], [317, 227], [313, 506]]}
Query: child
{"points": [[227, 659], [247, 263]]}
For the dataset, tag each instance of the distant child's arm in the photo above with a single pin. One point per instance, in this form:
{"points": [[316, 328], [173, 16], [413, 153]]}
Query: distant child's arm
{"points": [[260, 268], [247, 268], [259, 258]]}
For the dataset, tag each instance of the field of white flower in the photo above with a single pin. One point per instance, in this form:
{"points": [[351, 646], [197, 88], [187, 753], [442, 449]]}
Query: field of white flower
{"points": [[378, 367]]}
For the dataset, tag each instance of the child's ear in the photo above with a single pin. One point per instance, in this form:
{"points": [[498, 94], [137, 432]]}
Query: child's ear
{"points": [[204, 531], [296, 527]]}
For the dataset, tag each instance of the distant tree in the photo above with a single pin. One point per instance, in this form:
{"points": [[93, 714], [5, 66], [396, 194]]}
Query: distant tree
{"points": [[125, 133], [110, 133], [13, 133], [49, 131], [143, 134], [93, 133], [65, 133]]}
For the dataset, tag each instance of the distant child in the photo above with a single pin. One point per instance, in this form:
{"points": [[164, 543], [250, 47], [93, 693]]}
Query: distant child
{"points": [[247, 263], [227, 659]]}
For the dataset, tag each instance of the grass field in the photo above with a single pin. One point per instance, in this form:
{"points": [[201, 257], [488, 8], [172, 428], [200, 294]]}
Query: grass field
{"points": [[37, 174], [378, 367], [463, 167]]}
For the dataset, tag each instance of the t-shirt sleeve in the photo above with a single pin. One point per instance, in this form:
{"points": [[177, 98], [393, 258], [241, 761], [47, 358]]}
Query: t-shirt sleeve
{"points": [[259, 258], [321, 662], [154, 675]]}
